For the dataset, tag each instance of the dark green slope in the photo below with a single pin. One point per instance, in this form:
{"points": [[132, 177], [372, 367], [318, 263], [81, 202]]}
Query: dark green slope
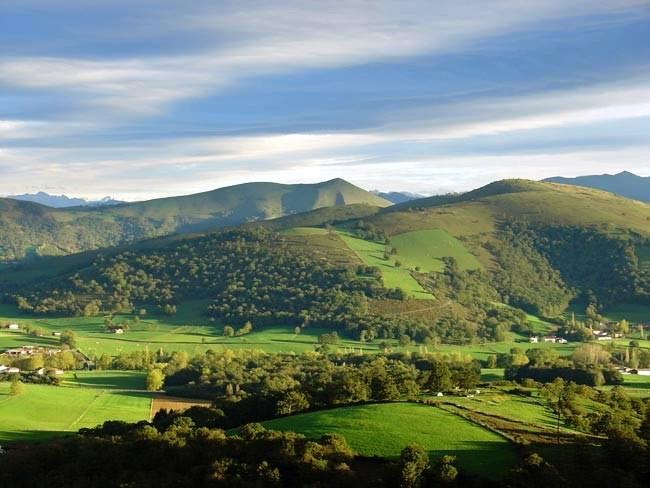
{"points": [[31, 229]]}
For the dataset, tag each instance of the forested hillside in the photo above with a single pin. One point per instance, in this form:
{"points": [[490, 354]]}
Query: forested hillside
{"points": [[449, 268], [29, 230]]}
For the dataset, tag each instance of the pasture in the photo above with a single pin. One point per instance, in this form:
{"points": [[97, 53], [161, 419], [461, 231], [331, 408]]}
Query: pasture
{"points": [[192, 331], [385, 429], [372, 254], [44, 411], [425, 249]]}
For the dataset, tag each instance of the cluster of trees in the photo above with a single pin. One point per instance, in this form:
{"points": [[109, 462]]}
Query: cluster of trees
{"points": [[248, 386], [368, 231], [590, 364]]}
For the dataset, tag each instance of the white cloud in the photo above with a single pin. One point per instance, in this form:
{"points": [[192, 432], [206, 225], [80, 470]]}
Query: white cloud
{"points": [[257, 38]]}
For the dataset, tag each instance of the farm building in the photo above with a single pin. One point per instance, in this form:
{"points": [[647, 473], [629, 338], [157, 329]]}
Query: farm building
{"points": [[8, 369], [13, 327], [26, 351], [555, 339], [533, 339], [50, 371]]}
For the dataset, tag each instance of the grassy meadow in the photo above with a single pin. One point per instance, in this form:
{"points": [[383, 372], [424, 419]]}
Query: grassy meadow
{"points": [[372, 254], [44, 411], [426, 248], [383, 429], [190, 330]]}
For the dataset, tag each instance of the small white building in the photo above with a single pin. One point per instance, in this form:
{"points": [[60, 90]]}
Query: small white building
{"points": [[533, 339], [13, 327], [604, 338]]}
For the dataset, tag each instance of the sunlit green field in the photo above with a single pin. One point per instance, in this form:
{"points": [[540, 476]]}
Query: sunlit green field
{"points": [[385, 429], [426, 248], [372, 254], [190, 330], [44, 411]]}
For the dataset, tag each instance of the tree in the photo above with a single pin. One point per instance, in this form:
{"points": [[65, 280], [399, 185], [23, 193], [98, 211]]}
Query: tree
{"points": [[228, 331], [404, 340], [439, 378], [155, 379], [445, 471], [297, 330], [491, 361], [246, 329], [559, 395], [591, 354], [31, 363], [413, 462], [169, 309], [291, 402], [17, 387], [68, 338]]}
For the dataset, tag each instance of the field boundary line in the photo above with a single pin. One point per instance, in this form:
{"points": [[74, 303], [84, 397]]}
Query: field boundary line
{"points": [[85, 411]]}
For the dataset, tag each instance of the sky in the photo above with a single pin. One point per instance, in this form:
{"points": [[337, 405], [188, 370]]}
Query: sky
{"points": [[149, 98]]}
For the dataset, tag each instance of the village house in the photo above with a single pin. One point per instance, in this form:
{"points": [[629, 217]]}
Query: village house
{"points": [[639, 371], [533, 339], [50, 371], [8, 369], [555, 339], [13, 327], [27, 351]]}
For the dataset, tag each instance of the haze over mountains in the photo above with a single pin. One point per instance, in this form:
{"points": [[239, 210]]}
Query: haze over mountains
{"points": [[33, 229], [624, 183], [63, 201], [398, 196]]}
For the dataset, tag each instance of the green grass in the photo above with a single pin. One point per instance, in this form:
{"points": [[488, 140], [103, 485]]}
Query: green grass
{"points": [[189, 330], [385, 429], [45, 411], [426, 248], [635, 385], [372, 254], [530, 410]]}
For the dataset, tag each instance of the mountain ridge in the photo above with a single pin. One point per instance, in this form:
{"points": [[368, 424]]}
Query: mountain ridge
{"points": [[31, 229], [625, 184]]}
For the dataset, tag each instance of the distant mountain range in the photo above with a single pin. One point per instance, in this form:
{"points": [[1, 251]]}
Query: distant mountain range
{"points": [[63, 201], [625, 184], [397, 196], [31, 229]]}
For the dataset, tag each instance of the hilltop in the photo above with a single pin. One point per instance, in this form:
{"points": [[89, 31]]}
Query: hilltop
{"points": [[625, 184], [30, 229]]}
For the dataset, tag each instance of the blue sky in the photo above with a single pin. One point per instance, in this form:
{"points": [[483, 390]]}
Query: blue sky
{"points": [[142, 98]]}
